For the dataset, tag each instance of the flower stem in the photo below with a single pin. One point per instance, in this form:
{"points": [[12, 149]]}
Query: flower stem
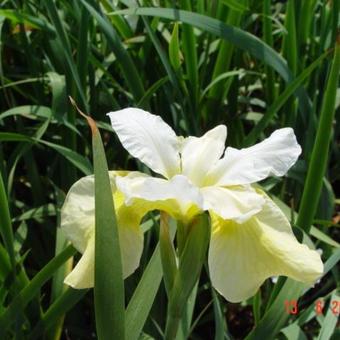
{"points": [[171, 328]]}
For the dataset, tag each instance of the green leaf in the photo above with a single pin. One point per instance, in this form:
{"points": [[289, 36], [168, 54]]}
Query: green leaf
{"points": [[238, 37], [108, 278], [66, 50], [189, 269], [32, 289], [174, 51], [128, 68], [236, 5], [168, 253], [281, 100], [319, 157], [75, 158], [37, 213], [23, 18], [276, 316], [6, 224], [61, 306], [143, 297], [331, 318]]}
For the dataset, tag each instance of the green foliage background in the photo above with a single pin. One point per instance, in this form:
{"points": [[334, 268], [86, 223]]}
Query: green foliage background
{"points": [[252, 65]]}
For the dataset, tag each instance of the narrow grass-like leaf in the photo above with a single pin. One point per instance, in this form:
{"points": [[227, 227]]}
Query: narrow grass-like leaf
{"points": [[236, 5], [223, 61], [75, 158], [38, 212], [151, 91], [289, 44], [6, 231], [268, 38], [331, 318], [56, 310], [174, 51], [236, 36], [66, 50], [24, 18], [32, 289], [281, 100], [168, 254], [108, 278], [190, 265], [319, 157], [276, 316], [143, 297], [190, 57], [161, 53], [128, 68]]}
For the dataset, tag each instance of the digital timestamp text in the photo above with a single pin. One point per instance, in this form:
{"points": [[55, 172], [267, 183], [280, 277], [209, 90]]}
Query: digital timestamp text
{"points": [[291, 307]]}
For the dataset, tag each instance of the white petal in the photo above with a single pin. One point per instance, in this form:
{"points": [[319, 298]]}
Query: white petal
{"points": [[149, 138], [199, 154], [78, 223], [233, 203], [82, 275], [273, 156], [77, 213], [176, 196], [242, 256]]}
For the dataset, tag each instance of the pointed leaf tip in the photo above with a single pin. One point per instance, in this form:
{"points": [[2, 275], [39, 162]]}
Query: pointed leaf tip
{"points": [[90, 121]]}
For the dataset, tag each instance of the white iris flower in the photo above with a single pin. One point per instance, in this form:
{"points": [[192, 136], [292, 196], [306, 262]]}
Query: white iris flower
{"points": [[251, 239]]}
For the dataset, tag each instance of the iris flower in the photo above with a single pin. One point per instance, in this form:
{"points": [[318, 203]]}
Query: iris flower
{"points": [[251, 239]]}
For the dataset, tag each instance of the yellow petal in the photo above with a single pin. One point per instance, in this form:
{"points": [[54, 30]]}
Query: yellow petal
{"points": [[82, 275], [78, 221], [242, 256], [177, 196]]}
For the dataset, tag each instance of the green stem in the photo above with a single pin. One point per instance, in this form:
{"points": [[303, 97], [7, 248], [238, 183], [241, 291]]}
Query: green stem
{"points": [[171, 329], [319, 157]]}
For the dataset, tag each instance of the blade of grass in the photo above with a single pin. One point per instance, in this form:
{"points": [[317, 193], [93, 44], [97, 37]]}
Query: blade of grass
{"points": [[281, 100], [331, 319], [109, 294], [143, 297], [289, 51], [66, 50], [76, 159], [190, 57], [225, 53], [240, 38], [32, 289], [128, 67], [319, 157], [268, 38], [56, 310], [6, 225]]}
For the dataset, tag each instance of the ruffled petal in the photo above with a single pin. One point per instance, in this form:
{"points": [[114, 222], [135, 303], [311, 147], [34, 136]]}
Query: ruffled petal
{"points": [[149, 138], [78, 223], [242, 256], [199, 154], [177, 196], [273, 156], [233, 203]]}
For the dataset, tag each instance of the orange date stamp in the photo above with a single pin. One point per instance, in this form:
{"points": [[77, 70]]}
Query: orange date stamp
{"points": [[292, 308]]}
